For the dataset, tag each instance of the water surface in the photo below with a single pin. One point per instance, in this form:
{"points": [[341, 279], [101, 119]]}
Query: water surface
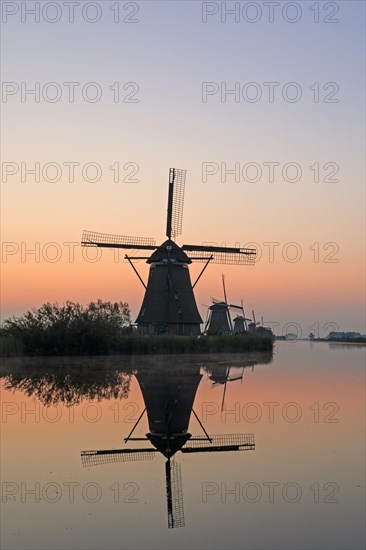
{"points": [[302, 487]]}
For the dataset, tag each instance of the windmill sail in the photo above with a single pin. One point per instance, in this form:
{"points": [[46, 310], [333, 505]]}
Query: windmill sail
{"points": [[174, 494], [92, 238], [225, 442], [177, 180], [221, 254], [94, 458], [223, 284]]}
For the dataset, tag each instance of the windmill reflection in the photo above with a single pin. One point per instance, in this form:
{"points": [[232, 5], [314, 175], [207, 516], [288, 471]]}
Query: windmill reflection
{"points": [[169, 398], [168, 386], [221, 375]]}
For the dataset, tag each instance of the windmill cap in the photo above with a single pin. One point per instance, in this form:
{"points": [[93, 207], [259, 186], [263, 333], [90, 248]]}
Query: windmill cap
{"points": [[169, 250], [168, 446], [219, 305]]}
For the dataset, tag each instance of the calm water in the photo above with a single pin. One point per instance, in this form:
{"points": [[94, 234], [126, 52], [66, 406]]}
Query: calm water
{"points": [[301, 487]]}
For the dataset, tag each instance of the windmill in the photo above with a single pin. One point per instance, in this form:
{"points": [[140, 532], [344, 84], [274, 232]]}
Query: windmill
{"points": [[219, 319], [253, 326], [169, 304], [256, 327], [169, 396], [240, 322]]}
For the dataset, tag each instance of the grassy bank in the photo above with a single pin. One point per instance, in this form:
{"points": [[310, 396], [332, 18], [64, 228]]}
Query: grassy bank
{"points": [[360, 340], [135, 344], [104, 328], [188, 344]]}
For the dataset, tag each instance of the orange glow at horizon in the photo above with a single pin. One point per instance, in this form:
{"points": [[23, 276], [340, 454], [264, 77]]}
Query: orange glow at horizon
{"points": [[279, 288]]}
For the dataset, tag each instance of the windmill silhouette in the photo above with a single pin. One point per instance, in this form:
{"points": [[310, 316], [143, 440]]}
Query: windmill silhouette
{"points": [[241, 321], [254, 324], [219, 320], [257, 327], [169, 304], [169, 396]]}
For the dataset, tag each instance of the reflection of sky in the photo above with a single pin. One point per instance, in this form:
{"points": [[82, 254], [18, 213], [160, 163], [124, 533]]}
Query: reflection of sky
{"points": [[169, 53], [304, 452]]}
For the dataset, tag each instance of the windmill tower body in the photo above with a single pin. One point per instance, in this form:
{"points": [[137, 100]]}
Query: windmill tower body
{"points": [[169, 304], [219, 319], [239, 326], [252, 327], [169, 397]]}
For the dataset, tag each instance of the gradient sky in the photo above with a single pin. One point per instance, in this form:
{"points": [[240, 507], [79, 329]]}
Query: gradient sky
{"points": [[169, 53]]}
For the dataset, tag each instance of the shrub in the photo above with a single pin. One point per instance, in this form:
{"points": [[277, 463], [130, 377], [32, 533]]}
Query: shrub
{"points": [[70, 329]]}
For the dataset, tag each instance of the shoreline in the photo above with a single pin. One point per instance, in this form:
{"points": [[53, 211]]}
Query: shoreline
{"points": [[149, 345]]}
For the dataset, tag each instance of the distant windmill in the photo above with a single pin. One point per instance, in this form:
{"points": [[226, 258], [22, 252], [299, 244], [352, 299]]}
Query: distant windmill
{"points": [[240, 322], [252, 327], [169, 397], [219, 319], [169, 304], [259, 329]]}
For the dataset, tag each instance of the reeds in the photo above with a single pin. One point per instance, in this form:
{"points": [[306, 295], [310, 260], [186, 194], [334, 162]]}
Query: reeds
{"points": [[103, 328]]}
